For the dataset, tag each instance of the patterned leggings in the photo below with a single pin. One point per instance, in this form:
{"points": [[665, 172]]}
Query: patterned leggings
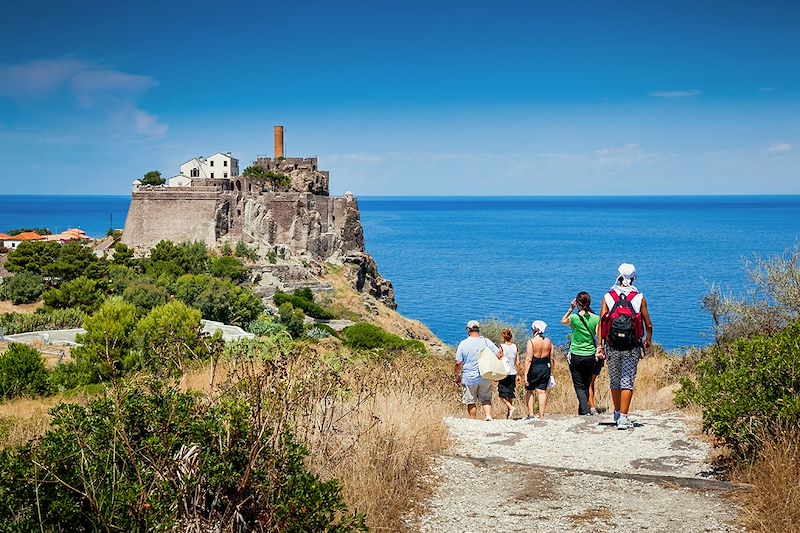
{"points": [[622, 367]]}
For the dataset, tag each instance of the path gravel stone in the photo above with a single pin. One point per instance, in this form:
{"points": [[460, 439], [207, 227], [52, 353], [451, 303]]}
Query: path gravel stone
{"points": [[570, 473]]}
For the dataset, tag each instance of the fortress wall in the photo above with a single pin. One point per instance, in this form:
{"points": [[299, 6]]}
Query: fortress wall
{"points": [[304, 223], [178, 216]]}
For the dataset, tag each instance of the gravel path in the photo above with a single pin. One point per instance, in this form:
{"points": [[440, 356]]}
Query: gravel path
{"points": [[570, 473]]}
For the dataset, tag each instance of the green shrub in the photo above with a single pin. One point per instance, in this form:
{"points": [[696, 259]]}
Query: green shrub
{"points": [[55, 262], [166, 337], [107, 341], [23, 288], [367, 336], [145, 296], [308, 306], [83, 293], [265, 328], [317, 332], [748, 388], [293, 319], [229, 267], [22, 372], [13, 323], [242, 250], [123, 255], [156, 459], [223, 301]]}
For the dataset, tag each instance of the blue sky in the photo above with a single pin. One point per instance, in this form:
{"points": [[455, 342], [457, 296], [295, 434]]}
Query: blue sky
{"points": [[407, 98]]}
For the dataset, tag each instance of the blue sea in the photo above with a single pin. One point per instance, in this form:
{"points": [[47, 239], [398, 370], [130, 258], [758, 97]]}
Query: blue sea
{"points": [[525, 258]]}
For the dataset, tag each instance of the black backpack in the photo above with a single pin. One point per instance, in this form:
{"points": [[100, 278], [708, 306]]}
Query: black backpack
{"points": [[622, 325]]}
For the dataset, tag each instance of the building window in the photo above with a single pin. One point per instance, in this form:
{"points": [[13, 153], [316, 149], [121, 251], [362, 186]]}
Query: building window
{"points": [[226, 174], [195, 173], [224, 163], [212, 163], [212, 175]]}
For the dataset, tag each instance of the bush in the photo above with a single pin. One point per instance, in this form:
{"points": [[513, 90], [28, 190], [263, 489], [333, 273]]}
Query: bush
{"points": [[293, 319], [13, 323], [145, 296], [161, 460], [23, 288], [22, 372], [308, 305], [264, 328], [367, 336], [167, 336], [107, 341], [229, 267], [748, 388], [123, 255], [83, 293], [317, 332], [770, 304], [223, 301], [242, 250]]}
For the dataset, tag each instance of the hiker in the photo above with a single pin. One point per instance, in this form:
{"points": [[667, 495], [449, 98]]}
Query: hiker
{"points": [[474, 387], [538, 367], [624, 319], [507, 386], [584, 366]]}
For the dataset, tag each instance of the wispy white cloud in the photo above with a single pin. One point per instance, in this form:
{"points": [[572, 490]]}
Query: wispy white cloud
{"points": [[88, 84], [148, 125], [38, 78], [607, 160], [675, 94], [779, 148], [112, 92]]}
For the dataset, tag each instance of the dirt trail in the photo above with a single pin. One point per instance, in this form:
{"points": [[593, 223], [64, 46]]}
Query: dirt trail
{"points": [[570, 473]]}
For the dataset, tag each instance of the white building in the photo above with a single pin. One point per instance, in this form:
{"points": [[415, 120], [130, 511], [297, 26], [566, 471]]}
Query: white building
{"points": [[217, 166]]}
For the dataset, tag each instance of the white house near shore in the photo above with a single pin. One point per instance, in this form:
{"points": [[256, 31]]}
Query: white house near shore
{"points": [[218, 166]]}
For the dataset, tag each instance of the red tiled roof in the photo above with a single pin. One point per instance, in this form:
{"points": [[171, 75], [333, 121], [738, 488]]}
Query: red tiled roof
{"points": [[26, 236], [4, 237]]}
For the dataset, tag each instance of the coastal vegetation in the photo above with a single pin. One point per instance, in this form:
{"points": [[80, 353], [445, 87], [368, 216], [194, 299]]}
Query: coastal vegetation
{"points": [[153, 424], [263, 176], [153, 178]]}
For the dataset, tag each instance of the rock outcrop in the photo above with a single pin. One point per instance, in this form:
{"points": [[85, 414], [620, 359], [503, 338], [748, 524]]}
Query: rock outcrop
{"points": [[287, 213]]}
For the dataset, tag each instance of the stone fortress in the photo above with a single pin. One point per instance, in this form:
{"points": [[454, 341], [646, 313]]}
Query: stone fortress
{"points": [[293, 217]]}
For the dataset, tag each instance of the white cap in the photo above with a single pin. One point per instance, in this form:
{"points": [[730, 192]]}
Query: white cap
{"points": [[627, 270], [539, 325], [625, 274], [473, 324]]}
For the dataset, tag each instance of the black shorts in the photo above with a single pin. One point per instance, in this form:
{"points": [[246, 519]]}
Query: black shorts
{"points": [[507, 386], [538, 376], [598, 366]]}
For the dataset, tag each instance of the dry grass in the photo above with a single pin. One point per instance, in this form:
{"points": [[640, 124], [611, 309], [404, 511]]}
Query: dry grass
{"points": [[380, 437], [24, 419], [27, 309], [655, 386], [772, 504]]}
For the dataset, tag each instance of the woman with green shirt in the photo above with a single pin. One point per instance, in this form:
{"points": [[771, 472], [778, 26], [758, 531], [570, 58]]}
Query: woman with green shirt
{"points": [[583, 365]]}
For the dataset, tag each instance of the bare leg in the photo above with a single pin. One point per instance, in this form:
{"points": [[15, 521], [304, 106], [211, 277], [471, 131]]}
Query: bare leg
{"points": [[508, 404], [542, 394], [616, 397], [529, 401], [625, 401], [591, 392], [472, 410], [487, 410]]}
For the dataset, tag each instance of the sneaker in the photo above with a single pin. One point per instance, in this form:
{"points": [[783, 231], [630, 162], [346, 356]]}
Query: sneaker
{"points": [[594, 411], [616, 416], [622, 423], [510, 413]]}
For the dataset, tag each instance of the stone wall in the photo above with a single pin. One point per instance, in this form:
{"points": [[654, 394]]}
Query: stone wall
{"points": [[304, 224], [199, 214], [303, 172]]}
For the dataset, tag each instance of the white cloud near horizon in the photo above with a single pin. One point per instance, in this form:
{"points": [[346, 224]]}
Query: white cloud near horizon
{"points": [[675, 94], [779, 148], [90, 85]]}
